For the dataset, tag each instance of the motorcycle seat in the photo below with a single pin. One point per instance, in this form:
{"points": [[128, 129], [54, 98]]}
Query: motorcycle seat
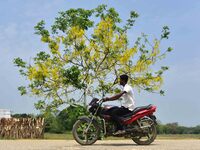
{"points": [[137, 109]]}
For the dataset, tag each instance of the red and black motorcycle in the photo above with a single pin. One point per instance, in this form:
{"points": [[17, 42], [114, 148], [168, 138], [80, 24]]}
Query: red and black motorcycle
{"points": [[139, 125]]}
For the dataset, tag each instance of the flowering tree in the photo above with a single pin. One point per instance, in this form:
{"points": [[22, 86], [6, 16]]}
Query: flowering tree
{"points": [[84, 54]]}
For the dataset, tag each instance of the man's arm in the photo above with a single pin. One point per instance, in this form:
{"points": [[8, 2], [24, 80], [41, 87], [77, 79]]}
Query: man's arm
{"points": [[115, 97]]}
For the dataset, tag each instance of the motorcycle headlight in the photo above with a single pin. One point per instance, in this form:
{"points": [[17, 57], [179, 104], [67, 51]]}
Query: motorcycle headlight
{"points": [[88, 107]]}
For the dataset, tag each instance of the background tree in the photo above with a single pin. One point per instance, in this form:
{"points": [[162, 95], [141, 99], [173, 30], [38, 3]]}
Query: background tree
{"points": [[69, 116], [87, 50], [52, 123]]}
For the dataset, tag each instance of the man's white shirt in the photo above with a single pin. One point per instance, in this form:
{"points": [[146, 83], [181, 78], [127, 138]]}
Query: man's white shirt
{"points": [[128, 97]]}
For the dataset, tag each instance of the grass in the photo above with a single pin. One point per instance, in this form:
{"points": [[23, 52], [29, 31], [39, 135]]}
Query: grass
{"points": [[63, 136], [178, 136], [68, 136]]}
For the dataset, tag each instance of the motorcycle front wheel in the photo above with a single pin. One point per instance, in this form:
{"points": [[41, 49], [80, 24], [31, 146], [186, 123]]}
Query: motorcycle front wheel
{"points": [[85, 135], [149, 134]]}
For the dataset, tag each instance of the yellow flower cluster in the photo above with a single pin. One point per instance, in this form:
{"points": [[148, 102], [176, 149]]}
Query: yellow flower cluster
{"points": [[105, 26], [127, 55], [156, 49], [45, 39], [54, 47], [35, 91], [38, 72], [153, 82], [140, 66], [120, 42], [41, 71], [55, 73], [104, 31], [76, 32]]}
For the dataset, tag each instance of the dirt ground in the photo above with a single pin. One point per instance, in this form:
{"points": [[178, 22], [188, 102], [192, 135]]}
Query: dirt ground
{"points": [[99, 145]]}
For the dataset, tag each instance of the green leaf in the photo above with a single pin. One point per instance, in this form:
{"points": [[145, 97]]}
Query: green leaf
{"points": [[148, 89], [19, 62], [164, 68], [162, 92], [40, 29], [169, 49], [22, 90], [165, 32], [40, 105], [134, 14], [42, 56]]}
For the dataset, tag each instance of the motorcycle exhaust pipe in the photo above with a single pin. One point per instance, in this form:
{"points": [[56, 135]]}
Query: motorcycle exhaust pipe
{"points": [[137, 129], [131, 130], [145, 127]]}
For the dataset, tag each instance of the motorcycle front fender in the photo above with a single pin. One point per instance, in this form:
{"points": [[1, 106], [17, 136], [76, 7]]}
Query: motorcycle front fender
{"points": [[86, 118]]}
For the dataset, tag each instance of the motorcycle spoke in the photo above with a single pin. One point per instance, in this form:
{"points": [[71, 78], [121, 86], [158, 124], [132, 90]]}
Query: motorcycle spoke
{"points": [[86, 138], [148, 136]]}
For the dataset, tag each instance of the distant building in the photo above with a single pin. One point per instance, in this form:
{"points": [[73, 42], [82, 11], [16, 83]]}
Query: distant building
{"points": [[5, 113]]}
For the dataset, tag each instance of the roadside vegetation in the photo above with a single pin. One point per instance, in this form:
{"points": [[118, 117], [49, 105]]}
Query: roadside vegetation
{"points": [[59, 126]]}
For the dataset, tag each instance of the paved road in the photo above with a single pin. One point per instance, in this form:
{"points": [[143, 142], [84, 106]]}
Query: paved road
{"points": [[99, 145]]}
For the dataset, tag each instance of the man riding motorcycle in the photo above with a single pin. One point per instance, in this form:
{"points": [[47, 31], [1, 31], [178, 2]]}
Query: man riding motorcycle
{"points": [[128, 103], [138, 124]]}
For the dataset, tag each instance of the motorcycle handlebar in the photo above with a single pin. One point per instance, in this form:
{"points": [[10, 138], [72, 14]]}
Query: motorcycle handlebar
{"points": [[100, 101]]}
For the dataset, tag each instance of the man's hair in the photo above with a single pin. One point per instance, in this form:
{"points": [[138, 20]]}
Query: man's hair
{"points": [[124, 77]]}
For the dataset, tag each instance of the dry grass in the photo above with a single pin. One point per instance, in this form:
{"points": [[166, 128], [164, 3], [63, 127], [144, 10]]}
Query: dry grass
{"points": [[68, 136]]}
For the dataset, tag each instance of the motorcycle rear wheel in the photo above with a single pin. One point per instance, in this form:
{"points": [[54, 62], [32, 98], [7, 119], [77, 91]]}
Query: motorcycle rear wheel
{"points": [[81, 136], [147, 138]]}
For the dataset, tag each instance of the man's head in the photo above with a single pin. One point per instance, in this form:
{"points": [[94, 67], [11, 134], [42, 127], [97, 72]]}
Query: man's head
{"points": [[123, 79]]}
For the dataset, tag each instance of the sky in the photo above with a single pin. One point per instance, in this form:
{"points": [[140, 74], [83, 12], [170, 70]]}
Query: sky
{"points": [[181, 102]]}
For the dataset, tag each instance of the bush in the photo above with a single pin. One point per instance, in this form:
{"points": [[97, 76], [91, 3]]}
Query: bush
{"points": [[69, 115]]}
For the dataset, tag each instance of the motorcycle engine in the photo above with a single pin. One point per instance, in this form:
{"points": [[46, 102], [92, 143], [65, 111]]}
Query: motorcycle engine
{"points": [[110, 127]]}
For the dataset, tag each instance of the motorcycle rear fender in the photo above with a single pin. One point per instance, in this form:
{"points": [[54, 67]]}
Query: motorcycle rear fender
{"points": [[153, 118], [140, 114]]}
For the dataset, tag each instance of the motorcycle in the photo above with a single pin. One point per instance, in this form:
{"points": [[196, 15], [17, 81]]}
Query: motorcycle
{"points": [[139, 125]]}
